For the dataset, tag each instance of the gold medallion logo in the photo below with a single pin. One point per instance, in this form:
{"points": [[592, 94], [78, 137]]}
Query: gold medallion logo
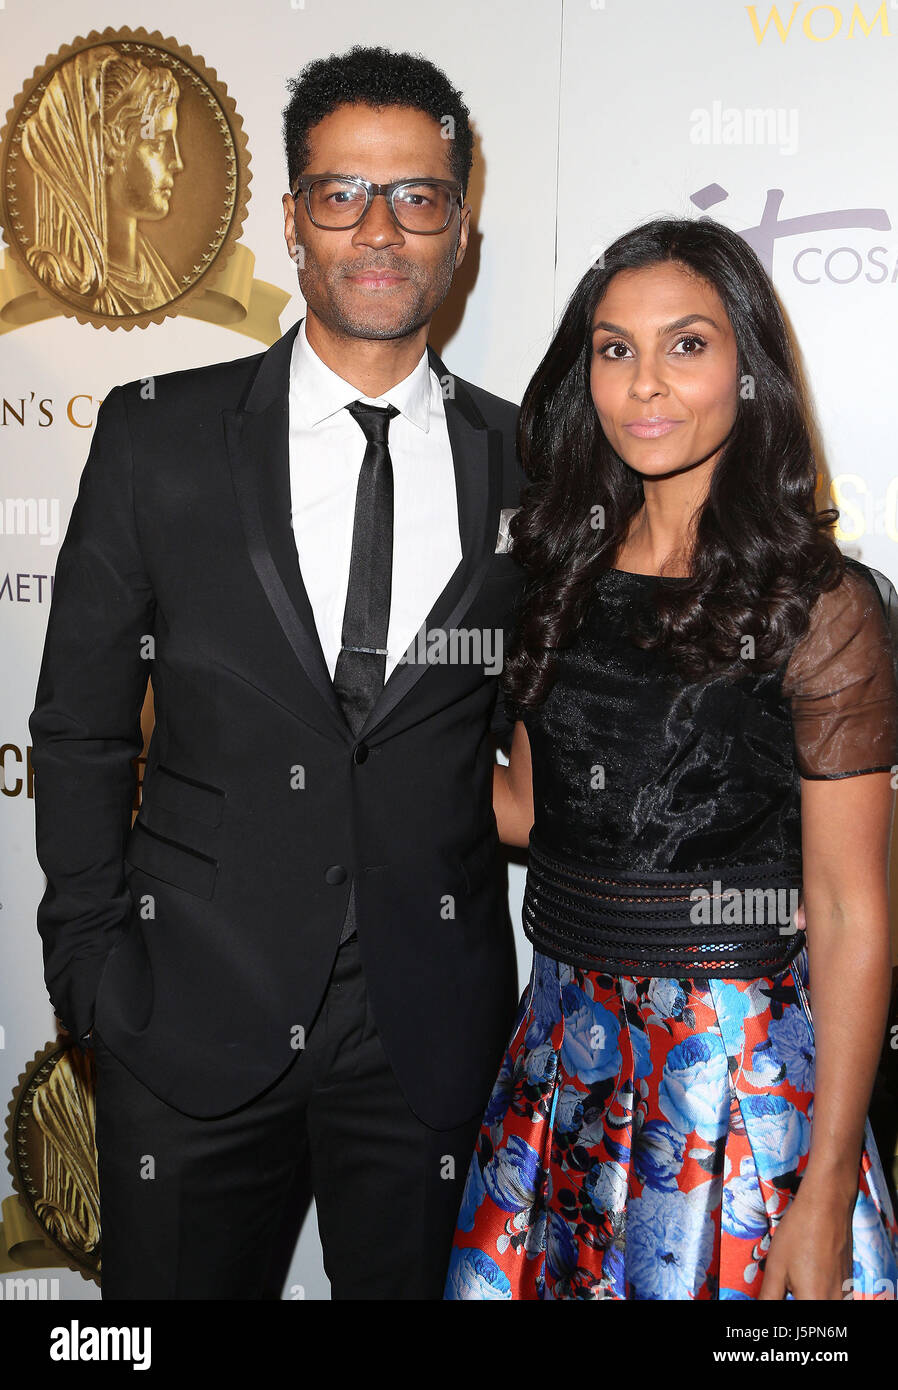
{"points": [[54, 1218], [124, 183]]}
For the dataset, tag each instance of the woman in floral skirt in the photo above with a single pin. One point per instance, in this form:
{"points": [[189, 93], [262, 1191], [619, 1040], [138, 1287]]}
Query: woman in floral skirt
{"points": [[702, 768]]}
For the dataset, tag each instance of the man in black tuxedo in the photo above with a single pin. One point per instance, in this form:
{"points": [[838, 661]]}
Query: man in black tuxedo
{"points": [[300, 954]]}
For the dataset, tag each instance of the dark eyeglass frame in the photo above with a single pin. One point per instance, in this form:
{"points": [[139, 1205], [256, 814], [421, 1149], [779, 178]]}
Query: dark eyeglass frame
{"points": [[372, 190]]}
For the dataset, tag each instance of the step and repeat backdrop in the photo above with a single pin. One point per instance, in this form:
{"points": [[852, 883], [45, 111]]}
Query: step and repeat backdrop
{"points": [[590, 117]]}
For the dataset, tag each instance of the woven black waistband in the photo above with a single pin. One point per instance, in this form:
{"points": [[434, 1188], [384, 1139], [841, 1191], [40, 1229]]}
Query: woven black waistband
{"points": [[731, 922]]}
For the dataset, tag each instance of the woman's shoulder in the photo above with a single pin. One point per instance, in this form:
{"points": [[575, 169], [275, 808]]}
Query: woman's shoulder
{"points": [[865, 577], [842, 678], [860, 610], [862, 579]]}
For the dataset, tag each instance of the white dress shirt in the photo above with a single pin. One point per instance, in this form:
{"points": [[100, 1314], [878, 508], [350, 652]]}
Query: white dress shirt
{"points": [[326, 452]]}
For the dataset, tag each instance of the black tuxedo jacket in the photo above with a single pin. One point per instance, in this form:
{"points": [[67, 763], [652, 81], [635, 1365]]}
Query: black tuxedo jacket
{"points": [[200, 941]]}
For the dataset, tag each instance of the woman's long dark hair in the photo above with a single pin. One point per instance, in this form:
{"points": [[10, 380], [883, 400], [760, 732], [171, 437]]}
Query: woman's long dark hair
{"points": [[761, 554]]}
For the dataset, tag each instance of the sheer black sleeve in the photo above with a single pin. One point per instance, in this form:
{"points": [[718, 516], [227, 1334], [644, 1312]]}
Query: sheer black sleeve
{"points": [[842, 680]]}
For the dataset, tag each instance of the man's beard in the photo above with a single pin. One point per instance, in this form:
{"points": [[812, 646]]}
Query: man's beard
{"points": [[332, 305]]}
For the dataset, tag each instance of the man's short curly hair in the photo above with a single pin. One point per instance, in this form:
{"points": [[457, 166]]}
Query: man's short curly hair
{"points": [[376, 77]]}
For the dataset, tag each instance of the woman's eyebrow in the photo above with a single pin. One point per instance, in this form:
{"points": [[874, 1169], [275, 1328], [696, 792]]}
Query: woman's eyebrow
{"points": [[667, 328]]}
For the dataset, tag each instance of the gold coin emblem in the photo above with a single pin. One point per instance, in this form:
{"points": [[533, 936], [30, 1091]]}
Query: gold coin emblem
{"points": [[51, 1147], [124, 178]]}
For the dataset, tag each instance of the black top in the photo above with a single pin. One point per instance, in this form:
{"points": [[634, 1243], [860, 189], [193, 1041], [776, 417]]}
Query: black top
{"points": [[637, 768]]}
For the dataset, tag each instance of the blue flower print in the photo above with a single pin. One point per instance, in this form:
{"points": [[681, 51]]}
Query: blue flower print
{"points": [[732, 1006], [561, 1247], [568, 1110], [545, 1000], [875, 1257], [472, 1274], [472, 1197], [606, 1186], [511, 1175], [694, 1092], [743, 1212], [766, 1067], [658, 1155], [590, 1047], [503, 1091], [666, 997], [780, 1134], [642, 1053], [793, 1044], [540, 1064], [669, 1243]]}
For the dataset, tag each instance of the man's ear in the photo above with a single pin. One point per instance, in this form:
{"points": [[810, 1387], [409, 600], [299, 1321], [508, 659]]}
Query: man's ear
{"points": [[461, 242], [289, 222]]}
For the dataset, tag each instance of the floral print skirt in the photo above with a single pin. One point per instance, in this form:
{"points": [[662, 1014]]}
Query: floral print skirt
{"points": [[643, 1139]]}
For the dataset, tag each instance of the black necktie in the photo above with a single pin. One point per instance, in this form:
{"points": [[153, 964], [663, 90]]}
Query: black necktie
{"points": [[361, 664]]}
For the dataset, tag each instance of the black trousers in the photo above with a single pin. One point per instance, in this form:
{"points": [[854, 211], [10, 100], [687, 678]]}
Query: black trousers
{"points": [[210, 1208]]}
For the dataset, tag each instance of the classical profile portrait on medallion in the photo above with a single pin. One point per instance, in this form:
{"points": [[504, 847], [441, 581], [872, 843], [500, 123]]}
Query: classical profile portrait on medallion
{"points": [[125, 177], [103, 148]]}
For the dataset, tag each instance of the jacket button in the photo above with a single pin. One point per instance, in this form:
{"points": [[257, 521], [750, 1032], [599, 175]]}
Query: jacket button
{"points": [[335, 874], [360, 753]]}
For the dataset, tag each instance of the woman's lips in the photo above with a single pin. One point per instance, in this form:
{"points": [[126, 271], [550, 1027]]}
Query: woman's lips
{"points": [[651, 429]]}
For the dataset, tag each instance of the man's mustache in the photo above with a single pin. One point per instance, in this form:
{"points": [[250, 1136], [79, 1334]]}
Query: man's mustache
{"points": [[376, 268]]}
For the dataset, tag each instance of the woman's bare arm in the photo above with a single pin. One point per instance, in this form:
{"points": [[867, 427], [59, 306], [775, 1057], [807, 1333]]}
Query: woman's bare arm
{"points": [[513, 791], [846, 824]]}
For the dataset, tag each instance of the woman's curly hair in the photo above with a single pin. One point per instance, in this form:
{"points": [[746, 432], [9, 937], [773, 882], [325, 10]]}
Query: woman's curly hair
{"points": [[761, 552]]}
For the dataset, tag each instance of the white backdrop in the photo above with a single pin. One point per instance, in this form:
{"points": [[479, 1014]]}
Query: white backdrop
{"points": [[591, 116]]}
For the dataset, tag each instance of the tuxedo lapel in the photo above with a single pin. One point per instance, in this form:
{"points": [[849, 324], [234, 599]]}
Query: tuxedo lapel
{"points": [[258, 441]]}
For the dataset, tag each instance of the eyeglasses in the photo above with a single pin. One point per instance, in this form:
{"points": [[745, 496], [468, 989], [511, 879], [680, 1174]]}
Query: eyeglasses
{"points": [[337, 202]]}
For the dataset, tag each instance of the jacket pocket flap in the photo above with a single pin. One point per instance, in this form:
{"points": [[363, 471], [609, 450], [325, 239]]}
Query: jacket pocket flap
{"points": [[186, 797], [174, 863]]}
